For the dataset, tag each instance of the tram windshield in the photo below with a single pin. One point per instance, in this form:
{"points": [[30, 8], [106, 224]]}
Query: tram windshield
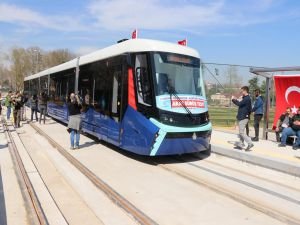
{"points": [[179, 74]]}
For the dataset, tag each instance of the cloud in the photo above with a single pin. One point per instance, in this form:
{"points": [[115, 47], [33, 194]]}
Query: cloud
{"points": [[153, 14], [180, 15], [28, 18], [83, 50]]}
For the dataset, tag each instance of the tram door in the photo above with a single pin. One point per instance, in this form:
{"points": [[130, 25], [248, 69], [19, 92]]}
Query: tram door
{"points": [[116, 71]]}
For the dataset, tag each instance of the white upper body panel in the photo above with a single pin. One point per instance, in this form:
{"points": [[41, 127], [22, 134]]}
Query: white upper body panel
{"points": [[131, 45]]}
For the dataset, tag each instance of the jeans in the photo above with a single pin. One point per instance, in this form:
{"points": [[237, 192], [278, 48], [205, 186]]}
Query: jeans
{"points": [[43, 112], [17, 117], [290, 132], [22, 113], [243, 137], [76, 134], [34, 111], [257, 119], [8, 112]]}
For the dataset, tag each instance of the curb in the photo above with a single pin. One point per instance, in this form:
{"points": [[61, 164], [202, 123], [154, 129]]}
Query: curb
{"points": [[275, 164]]}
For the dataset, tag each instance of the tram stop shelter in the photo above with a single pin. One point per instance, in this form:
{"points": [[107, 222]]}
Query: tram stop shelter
{"points": [[268, 73]]}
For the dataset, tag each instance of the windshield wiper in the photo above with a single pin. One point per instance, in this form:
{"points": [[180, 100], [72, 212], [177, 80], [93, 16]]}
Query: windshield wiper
{"points": [[173, 92]]}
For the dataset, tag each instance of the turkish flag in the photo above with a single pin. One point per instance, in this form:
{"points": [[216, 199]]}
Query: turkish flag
{"points": [[182, 42], [287, 94], [134, 34]]}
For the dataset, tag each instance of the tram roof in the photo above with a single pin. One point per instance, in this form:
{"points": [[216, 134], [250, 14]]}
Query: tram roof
{"points": [[131, 45]]}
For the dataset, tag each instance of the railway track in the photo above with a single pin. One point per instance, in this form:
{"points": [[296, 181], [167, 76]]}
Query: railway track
{"points": [[34, 209], [190, 168], [206, 168], [113, 195]]}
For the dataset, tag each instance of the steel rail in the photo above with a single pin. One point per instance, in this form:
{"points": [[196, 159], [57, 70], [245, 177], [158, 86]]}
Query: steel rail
{"points": [[112, 194], [39, 215], [252, 175], [239, 198]]}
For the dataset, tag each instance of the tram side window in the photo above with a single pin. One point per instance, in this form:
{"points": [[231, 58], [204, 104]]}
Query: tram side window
{"points": [[102, 88], [61, 85], [54, 88], [34, 84], [198, 82], [44, 84], [142, 80], [27, 87], [86, 83]]}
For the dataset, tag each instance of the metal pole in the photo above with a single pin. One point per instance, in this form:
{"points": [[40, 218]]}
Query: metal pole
{"points": [[48, 93], [267, 109]]}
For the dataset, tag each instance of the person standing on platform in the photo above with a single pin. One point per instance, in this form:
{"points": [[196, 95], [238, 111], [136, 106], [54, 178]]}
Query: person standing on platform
{"points": [[16, 100], [8, 104], [0, 104], [258, 111], [43, 106], [24, 99], [34, 106], [74, 125], [243, 115]]}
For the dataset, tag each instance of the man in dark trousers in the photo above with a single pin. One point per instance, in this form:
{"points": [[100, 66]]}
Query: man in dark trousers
{"points": [[243, 115], [258, 111]]}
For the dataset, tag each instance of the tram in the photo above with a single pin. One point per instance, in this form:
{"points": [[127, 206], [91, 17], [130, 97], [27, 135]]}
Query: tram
{"points": [[143, 96]]}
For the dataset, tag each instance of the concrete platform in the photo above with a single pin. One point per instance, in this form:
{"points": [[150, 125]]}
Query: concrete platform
{"points": [[265, 153]]}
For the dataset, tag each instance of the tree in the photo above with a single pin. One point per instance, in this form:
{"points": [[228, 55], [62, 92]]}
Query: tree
{"points": [[24, 62], [253, 84], [263, 87], [35, 59], [5, 83], [234, 80], [57, 57], [20, 66]]}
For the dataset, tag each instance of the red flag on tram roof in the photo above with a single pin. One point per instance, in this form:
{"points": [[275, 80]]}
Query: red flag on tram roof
{"points": [[287, 94], [183, 42], [134, 34]]}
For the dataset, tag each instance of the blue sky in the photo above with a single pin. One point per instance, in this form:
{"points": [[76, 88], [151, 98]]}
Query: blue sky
{"points": [[249, 32]]}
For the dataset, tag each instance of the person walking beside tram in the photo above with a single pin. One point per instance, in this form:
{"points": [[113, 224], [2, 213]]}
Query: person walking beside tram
{"points": [[243, 115], [74, 125]]}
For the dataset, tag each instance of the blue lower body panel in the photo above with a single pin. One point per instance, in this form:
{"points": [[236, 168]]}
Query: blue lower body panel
{"points": [[180, 146], [138, 134], [58, 112]]}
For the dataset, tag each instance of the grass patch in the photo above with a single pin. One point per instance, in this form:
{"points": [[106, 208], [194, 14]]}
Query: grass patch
{"points": [[226, 116]]}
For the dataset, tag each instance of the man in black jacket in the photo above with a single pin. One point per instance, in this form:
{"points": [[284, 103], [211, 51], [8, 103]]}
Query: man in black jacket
{"points": [[243, 117]]}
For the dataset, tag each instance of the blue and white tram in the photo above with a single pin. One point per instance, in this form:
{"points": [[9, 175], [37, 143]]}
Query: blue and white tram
{"points": [[144, 96]]}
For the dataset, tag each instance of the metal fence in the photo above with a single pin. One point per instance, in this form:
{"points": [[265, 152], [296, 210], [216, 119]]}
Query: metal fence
{"points": [[222, 81]]}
